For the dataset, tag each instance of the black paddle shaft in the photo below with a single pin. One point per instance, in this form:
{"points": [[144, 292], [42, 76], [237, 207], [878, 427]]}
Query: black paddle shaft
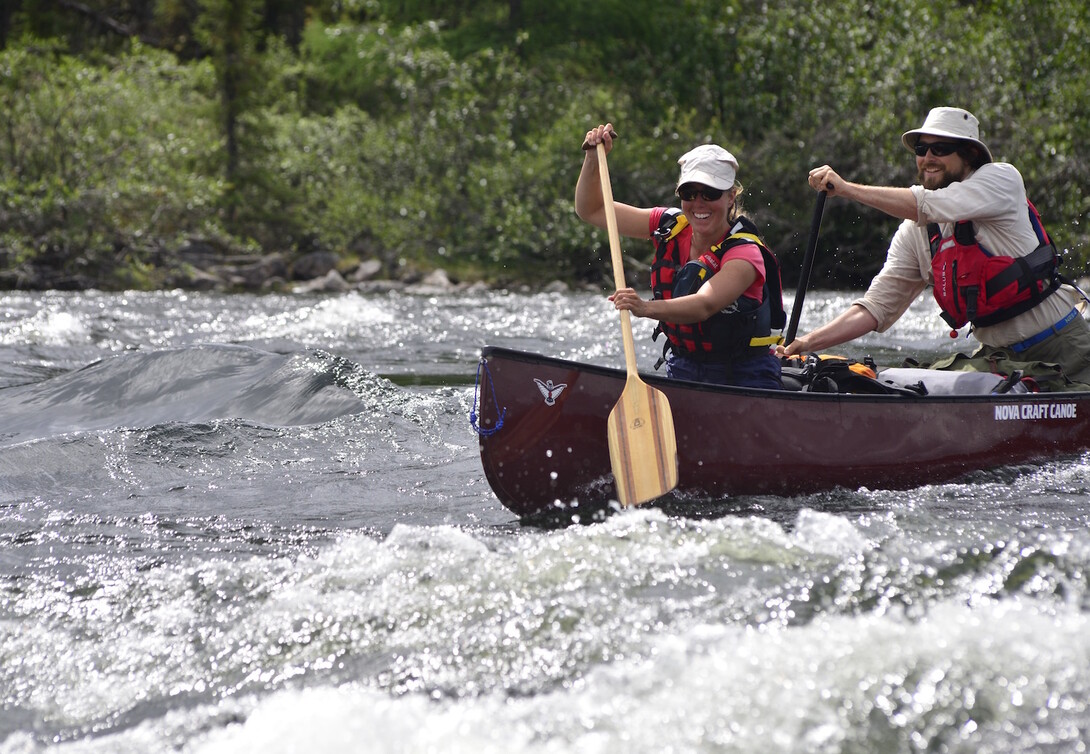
{"points": [[807, 265]]}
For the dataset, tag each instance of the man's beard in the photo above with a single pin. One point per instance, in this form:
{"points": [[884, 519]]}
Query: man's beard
{"points": [[945, 179]]}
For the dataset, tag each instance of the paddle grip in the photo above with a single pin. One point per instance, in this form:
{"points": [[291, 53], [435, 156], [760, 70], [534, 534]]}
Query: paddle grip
{"points": [[587, 146]]}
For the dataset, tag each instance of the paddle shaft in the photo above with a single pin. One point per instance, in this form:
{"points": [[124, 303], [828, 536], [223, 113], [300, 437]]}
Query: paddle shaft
{"points": [[807, 265], [618, 260]]}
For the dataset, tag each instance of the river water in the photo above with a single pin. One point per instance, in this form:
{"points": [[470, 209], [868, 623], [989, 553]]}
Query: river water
{"points": [[260, 524]]}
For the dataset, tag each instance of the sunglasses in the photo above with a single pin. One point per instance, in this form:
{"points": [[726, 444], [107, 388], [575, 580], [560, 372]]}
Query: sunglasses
{"points": [[937, 148], [689, 191]]}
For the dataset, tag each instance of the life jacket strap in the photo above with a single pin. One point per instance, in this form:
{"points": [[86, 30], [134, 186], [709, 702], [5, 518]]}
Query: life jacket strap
{"points": [[1036, 266], [751, 237]]}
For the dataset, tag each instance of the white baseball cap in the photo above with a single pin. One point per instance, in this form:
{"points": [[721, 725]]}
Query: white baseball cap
{"points": [[710, 165]]}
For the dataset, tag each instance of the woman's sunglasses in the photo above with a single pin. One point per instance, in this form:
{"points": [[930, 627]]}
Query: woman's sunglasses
{"points": [[689, 191], [937, 148]]}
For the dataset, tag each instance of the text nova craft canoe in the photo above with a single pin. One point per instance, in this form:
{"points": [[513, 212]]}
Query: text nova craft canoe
{"points": [[543, 435]]}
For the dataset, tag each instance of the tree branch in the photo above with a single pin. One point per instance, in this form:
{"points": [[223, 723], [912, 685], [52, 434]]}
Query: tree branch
{"points": [[101, 18]]}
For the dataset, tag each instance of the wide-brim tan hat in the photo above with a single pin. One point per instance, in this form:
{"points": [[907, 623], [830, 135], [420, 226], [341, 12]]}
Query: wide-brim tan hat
{"points": [[949, 123], [710, 165]]}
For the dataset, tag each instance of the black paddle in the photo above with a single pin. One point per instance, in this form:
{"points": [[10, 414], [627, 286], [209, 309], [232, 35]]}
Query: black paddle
{"points": [[807, 265]]}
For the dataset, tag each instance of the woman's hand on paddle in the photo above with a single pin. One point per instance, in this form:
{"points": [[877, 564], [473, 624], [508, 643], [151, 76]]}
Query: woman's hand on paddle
{"points": [[627, 298], [602, 134]]}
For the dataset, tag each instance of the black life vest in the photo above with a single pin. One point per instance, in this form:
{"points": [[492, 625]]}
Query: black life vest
{"points": [[973, 285], [742, 330]]}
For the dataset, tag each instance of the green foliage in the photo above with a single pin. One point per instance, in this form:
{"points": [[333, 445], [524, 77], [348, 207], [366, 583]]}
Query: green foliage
{"points": [[459, 185], [98, 158], [436, 134]]}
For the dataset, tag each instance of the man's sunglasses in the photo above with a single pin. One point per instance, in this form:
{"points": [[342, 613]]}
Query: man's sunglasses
{"points": [[688, 192], [937, 148]]}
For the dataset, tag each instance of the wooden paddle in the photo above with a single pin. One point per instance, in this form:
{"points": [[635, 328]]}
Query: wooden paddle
{"points": [[642, 444]]}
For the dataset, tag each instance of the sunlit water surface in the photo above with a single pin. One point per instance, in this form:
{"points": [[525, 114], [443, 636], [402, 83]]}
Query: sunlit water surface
{"points": [[260, 524]]}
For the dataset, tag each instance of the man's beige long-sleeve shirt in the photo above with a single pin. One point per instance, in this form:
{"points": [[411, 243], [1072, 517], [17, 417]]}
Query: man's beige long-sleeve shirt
{"points": [[994, 198]]}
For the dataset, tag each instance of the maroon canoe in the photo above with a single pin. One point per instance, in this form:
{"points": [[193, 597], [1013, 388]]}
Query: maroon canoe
{"points": [[544, 447]]}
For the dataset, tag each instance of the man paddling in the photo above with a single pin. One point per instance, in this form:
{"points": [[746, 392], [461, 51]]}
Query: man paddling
{"points": [[970, 234]]}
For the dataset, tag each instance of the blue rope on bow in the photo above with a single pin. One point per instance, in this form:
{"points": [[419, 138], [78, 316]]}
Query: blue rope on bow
{"points": [[476, 394]]}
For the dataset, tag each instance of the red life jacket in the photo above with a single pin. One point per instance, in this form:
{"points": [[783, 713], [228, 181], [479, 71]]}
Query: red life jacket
{"points": [[973, 285], [742, 330]]}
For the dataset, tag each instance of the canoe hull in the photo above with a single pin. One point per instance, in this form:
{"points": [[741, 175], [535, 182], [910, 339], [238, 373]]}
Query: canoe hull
{"points": [[551, 450]]}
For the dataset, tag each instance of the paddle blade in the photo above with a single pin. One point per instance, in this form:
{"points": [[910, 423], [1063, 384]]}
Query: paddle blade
{"points": [[642, 444]]}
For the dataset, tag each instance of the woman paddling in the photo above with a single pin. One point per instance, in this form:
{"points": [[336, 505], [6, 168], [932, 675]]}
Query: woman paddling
{"points": [[716, 285]]}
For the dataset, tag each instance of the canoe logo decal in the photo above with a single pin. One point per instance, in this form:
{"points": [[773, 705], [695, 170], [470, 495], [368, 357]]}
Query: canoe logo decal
{"points": [[549, 390]]}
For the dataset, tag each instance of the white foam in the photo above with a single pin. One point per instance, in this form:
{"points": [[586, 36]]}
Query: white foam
{"points": [[47, 328], [879, 680]]}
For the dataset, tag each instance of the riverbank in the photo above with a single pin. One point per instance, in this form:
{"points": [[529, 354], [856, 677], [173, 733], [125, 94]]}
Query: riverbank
{"points": [[202, 267], [209, 266]]}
